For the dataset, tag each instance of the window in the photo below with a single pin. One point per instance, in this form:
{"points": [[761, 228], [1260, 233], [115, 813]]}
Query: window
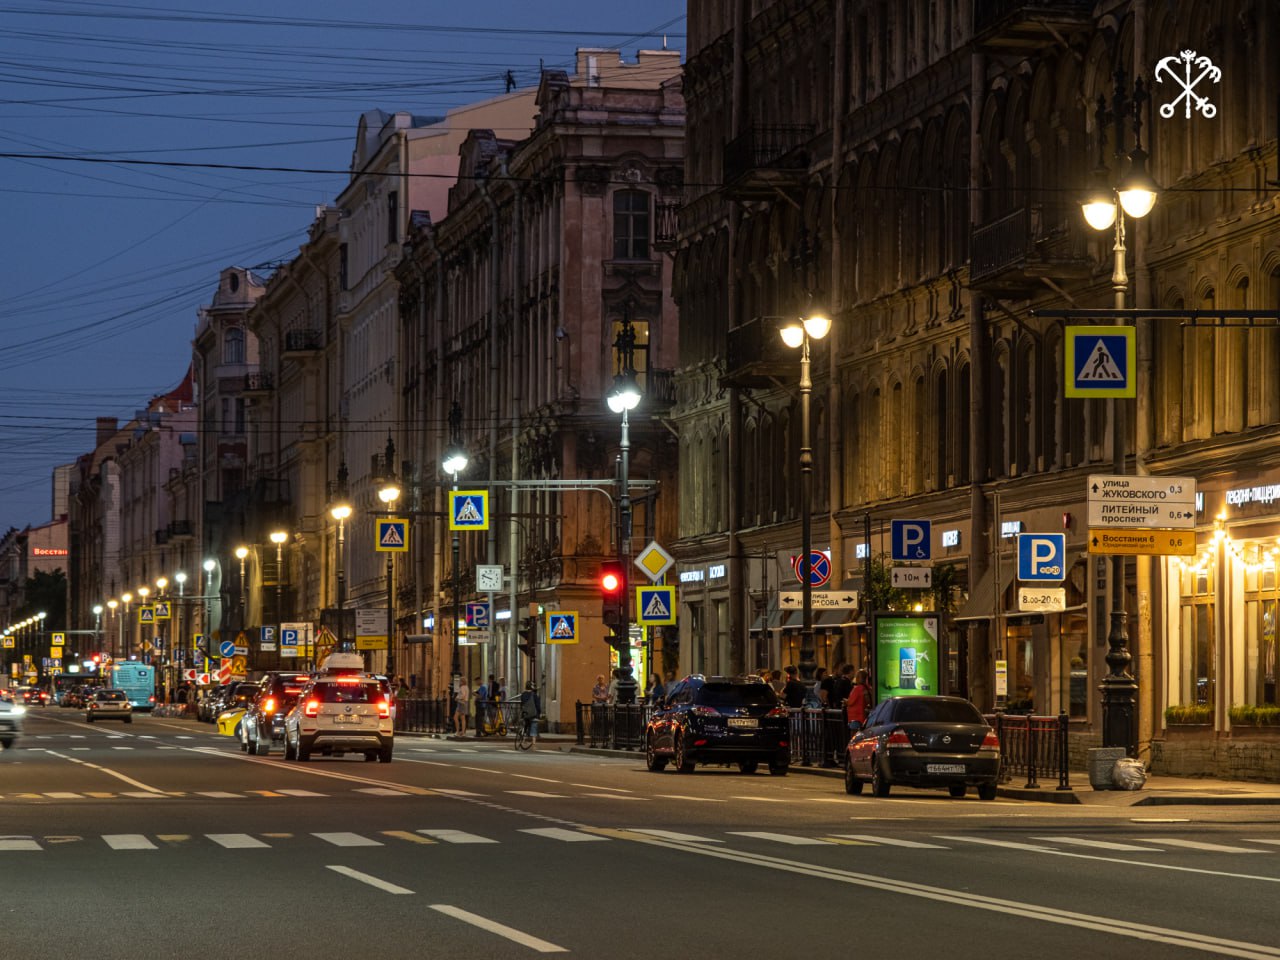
{"points": [[639, 350], [239, 426], [343, 258], [393, 215], [631, 225], [233, 346]]}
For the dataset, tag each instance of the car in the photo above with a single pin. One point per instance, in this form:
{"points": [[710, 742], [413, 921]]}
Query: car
{"points": [[924, 741], [263, 723], [207, 711], [719, 720], [108, 704], [35, 697], [11, 714], [340, 714]]}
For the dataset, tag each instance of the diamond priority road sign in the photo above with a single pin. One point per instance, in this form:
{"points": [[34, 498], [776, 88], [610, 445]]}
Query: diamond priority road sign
{"points": [[1147, 503]]}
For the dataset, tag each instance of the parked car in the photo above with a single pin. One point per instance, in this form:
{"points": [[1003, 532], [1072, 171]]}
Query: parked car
{"points": [[924, 742], [263, 723], [340, 714], [719, 720], [108, 704], [207, 711], [11, 714]]}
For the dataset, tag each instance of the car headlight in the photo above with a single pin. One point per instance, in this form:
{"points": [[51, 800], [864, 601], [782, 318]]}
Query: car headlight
{"points": [[19, 710]]}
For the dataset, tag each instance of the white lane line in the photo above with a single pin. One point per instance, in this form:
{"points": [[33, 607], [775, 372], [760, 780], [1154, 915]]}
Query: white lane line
{"points": [[380, 791], [763, 799], [128, 841], [18, 843], [301, 793], [466, 750], [458, 793], [781, 838], [1100, 844], [183, 736], [219, 795], [537, 793], [237, 841], [365, 878], [64, 796], [613, 796], [1006, 844], [1200, 845], [80, 748], [109, 772], [140, 795], [890, 841], [673, 835], [525, 776], [559, 833], [1259, 840], [122, 748], [146, 736], [455, 836], [676, 796], [501, 929], [347, 840], [596, 786]]}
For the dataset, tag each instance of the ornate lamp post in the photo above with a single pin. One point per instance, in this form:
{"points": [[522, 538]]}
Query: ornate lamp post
{"points": [[207, 613], [127, 597], [623, 397], [278, 537], [455, 461], [1106, 204], [241, 553], [176, 653], [162, 584], [112, 604], [144, 648], [389, 493], [341, 511], [798, 333]]}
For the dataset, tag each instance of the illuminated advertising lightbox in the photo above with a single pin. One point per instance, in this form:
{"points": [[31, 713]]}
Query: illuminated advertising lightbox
{"points": [[906, 655]]}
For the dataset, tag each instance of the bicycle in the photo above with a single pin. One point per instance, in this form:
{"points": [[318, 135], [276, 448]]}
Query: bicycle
{"points": [[524, 736]]}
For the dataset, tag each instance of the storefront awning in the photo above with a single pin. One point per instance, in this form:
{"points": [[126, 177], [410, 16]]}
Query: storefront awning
{"points": [[769, 619], [981, 602], [833, 618]]}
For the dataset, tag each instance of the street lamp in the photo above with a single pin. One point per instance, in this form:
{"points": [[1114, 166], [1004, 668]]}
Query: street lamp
{"points": [[97, 626], [341, 511], [278, 537], [389, 493], [623, 397], [798, 333], [127, 597], [112, 604], [455, 461], [144, 648], [241, 553], [209, 566], [175, 651], [1105, 205]]}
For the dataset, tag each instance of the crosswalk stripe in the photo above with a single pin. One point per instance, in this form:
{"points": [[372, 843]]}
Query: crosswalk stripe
{"points": [[64, 796], [347, 840], [560, 833], [456, 836], [267, 793], [676, 796], [1200, 845], [780, 838], [381, 791], [1100, 844], [891, 841], [459, 793], [406, 835], [537, 793], [1007, 844], [301, 793], [673, 835], [220, 795], [237, 841], [128, 841], [16, 843], [144, 795]]}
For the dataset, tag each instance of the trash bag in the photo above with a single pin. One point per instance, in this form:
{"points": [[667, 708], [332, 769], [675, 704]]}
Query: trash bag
{"points": [[1128, 774]]}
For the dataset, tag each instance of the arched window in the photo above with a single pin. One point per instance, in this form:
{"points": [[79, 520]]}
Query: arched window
{"points": [[961, 411], [941, 415], [631, 225], [233, 345]]}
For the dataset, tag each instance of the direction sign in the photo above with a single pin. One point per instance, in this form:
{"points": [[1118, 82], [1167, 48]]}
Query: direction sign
{"points": [[489, 577], [1099, 362], [819, 568], [1042, 599], [1143, 542], [911, 578], [227, 648], [655, 605], [189, 675], [1042, 556], [818, 599], [654, 561], [468, 510], [204, 679], [1142, 502], [393, 535], [911, 539], [562, 626]]}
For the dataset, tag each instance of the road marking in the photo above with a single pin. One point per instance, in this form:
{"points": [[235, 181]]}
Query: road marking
{"points": [[672, 835], [109, 772], [892, 841], [142, 795], [122, 748], [332, 774], [613, 796], [64, 796], [128, 841], [525, 776], [267, 793], [18, 843], [406, 835], [81, 748], [1200, 845], [780, 838], [347, 840], [301, 793], [237, 841], [1257, 840], [456, 836], [1006, 844], [559, 833], [502, 930], [380, 791], [763, 799], [219, 795], [538, 794], [1099, 844], [459, 793], [99, 796], [594, 786], [365, 878], [676, 796], [173, 837]]}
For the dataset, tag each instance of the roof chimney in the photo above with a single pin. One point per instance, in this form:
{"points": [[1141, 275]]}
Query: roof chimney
{"points": [[107, 427]]}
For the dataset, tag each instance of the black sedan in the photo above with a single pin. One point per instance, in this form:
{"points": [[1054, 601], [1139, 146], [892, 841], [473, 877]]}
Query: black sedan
{"points": [[719, 720], [924, 742]]}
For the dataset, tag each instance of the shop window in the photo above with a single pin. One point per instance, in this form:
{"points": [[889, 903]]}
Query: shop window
{"points": [[1262, 603], [1197, 641], [1022, 675]]}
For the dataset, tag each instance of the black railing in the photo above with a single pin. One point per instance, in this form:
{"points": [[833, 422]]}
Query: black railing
{"points": [[1000, 244], [766, 146], [299, 340], [666, 226], [1032, 746], [256, 382], [818, 737], [612, 726], [414, 715]]}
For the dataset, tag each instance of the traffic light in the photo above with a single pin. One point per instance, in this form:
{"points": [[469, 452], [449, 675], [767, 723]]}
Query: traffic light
{"points": [[613, 593], [528, 631]]}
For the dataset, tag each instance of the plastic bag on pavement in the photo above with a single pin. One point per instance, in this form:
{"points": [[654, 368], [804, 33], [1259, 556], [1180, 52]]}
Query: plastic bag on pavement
{"points": [[1128, 774]]}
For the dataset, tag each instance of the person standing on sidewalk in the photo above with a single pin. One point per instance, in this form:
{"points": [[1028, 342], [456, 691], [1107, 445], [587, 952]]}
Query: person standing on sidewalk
{"points": [[461, 703], [859, 703]]}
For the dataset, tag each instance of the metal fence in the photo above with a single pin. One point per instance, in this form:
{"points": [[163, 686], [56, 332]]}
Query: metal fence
{"points": [[1034, 746], [818, 737], [616, 726], [415, 715]]}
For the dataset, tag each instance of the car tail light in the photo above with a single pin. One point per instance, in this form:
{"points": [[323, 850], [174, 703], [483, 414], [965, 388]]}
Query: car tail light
{"points": [[269, 705], [699, 743], [705, 712], [151, 699], [990, 742], [384, 709], [898, 740], [779, 711], [312, 708]]}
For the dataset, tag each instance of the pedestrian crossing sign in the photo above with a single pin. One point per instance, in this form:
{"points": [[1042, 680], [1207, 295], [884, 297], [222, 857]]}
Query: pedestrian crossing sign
{"points": [[162, 609], [1100, 362], [468, 510], [655, 605], [562, 626], [393, 535], [147, 614]]}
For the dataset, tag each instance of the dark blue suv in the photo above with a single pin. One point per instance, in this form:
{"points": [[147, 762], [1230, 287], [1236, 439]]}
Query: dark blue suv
{"points": [[718, 720]]}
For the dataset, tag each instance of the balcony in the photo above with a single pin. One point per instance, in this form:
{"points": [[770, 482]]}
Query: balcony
{"points": [[766, 159], [162, 536], [666, 224], [1015, 254], [756, 355], [180, 530], [659, 388], [257, 384], [302, 342], [1023, 26]]}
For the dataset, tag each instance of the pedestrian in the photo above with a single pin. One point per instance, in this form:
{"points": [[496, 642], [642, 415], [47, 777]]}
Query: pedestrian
{"points": [[612, 692], [531, 708], [813, 694], [482, 708], [793, 690], [498, 692], [843, 685], [600, 692], [827, 690], [461, 702], [776, 681], [402, 690], [657, 689], [859, 702]]}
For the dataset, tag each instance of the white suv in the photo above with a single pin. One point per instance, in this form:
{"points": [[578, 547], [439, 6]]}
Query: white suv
{"points": [[337, 715]]}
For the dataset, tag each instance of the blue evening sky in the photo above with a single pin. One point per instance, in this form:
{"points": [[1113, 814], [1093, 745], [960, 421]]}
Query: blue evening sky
{"points": [[106, 263]]}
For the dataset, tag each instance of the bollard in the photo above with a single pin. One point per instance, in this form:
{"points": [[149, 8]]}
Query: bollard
{"points": [[1064, 775]]}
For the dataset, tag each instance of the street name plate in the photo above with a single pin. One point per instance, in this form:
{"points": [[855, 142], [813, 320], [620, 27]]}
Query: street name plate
{"points": [[818, 599], [1042, 599], [1142, 502], [1143, 542], [912, 578]]}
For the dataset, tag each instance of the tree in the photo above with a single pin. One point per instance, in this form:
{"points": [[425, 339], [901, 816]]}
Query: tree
{"points": [[47, 591]]}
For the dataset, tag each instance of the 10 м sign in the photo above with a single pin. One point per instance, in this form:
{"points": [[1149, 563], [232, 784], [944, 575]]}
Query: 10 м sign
{"points": [[1147, 503]]}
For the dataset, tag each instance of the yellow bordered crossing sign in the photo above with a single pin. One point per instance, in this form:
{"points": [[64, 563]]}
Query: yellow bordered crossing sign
{"points": [[655, 605], [1100, 362], [468, 510], [562, 626], [162, 609], [146, 613], [393, 535], [59, 639]]}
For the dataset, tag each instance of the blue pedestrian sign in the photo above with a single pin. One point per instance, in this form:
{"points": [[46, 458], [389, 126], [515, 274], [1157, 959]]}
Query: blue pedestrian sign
{"points": [[562, 626], [393, 535], [1099, 362], [655, 605], [912, 539], [1042, 556], [227, 648], [468, 510], [478, 616]]}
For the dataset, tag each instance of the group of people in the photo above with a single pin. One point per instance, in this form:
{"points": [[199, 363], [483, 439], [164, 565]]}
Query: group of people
{"points": [[487, 695], [844, 688], [655, 689]]}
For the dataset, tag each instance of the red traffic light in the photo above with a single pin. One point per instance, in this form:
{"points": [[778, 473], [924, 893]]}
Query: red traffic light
{"points": [[612, 579]]}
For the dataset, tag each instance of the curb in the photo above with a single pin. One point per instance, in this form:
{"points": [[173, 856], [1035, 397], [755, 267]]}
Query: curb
{"points": [[1206, 800]]}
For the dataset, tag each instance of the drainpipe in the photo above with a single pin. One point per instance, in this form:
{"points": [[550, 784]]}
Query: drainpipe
{"points": [[439, 677], [511, 655], [495, 259]]}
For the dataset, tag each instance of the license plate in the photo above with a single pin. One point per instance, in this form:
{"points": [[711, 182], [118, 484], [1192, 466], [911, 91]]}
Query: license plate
{"points": [[744, 723], [945, 768], [342, 718]]}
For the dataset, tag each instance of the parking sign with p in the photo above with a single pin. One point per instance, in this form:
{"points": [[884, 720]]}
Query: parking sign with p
{"points": [[1042, 556], [911, 539]]}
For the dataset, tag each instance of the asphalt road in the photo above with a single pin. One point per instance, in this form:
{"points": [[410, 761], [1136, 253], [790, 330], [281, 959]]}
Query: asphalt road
{"points": [[161, 838]]}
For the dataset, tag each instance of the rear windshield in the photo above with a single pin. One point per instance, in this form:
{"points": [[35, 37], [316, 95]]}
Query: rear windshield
{"points": [[936, 711], [245, 690], [736, 695], [110, 695], [347, 692]]}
